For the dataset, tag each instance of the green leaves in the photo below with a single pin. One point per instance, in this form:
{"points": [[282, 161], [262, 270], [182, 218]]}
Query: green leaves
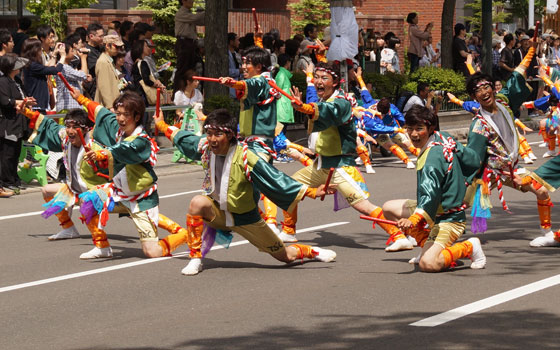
{"points": [[53, 12], [310, 11]]}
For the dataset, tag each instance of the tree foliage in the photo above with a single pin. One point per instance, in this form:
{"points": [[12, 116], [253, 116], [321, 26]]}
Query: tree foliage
{"points": [[164, 12], [520, 9], [53, 12], [476, 18], [309, 11]]}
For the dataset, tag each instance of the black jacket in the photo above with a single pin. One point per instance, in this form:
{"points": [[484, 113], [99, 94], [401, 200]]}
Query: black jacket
{"points": [[11, 123]]}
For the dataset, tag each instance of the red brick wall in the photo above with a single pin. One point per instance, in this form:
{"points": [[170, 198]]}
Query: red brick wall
{"points": [[241, 21], [260, 4], [83, 17]]}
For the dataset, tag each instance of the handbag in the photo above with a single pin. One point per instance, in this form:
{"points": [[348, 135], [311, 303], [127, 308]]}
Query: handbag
{"points": [[149, 91]]}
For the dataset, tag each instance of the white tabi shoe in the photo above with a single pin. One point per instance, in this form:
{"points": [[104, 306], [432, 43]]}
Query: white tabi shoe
{"points": [[478, 258], [549, 154], [97, 253], [547, 240], [528, 160], [543, 145], [324, 255], [400, 244], [287, 238], [67, 233], [274, 228], [412, 240], [369, 169], [193, 267], [359, 161], [532, 156], [410, 165], [416, 259]]}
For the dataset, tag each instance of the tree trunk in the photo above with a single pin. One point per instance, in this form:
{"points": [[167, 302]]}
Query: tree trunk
{"points": [[447, 33], [215, 44], [487, 37]]}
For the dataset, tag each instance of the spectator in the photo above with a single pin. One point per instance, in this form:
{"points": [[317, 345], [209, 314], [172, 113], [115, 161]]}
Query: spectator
{"points": [[142, 76], [506, 58], [496, 56], [65, 102], [284, 109], [113, 28], [305, 54], [188, 94], [554, 57], [310, 32], [185, 31], [415, 36], [6, 42], [124, 77], [128, 61], [424, 97], [522, 50], [13, 126], [247, 41], [389, 56], [150, 59], [460, 50], [47, 37], [95, 35], [519, 33], [279, 47], [35, 74], [430, 57], [82, 32], [146, 29], [125, 30], [234, 60], [105, 72], [21, 34]]}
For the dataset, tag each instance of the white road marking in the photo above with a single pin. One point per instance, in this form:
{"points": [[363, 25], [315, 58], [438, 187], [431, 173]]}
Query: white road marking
{"points": [[137, 263], [33, 213], [492, 301]]}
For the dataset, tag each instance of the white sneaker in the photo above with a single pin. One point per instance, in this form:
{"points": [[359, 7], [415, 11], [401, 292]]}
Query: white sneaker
{"points": [[528, 160], [416, 259], [545, 241], [532, 156], [274, 228], [543, 145], [369, 169], [97, 253], [400, 244], [410, 165], [412, 240], [324, 255], [478, 258], [193, 267], [358, 161], [287, 238], [548, 154], [67, 233]]}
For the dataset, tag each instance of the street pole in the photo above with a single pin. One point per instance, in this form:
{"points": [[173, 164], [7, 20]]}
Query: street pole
{"points": [[531, 13], [487, 36]]}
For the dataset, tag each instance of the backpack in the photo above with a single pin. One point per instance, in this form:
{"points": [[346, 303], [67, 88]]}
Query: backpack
{"points": [[403, 99]]}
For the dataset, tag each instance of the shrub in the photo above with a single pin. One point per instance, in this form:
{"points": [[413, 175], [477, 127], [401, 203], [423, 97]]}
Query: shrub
{"points": [[387, 85], [438, 79], [164, 52], [221, 101]]}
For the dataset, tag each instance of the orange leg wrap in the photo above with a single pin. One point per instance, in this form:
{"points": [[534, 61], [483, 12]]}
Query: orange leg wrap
{"points": [[270, 211], [457, 251], [544, 212], [420, 235], [63, 217], [171, 242], [305, 251], [305, 160], [98, 235], [551, 142], [399, 152], [523, 142], [363, 153], [392, 230], [523, 147], [557, 236], [289, 223], [544, 134], [195, 225], [414, 150], [169, 225]]}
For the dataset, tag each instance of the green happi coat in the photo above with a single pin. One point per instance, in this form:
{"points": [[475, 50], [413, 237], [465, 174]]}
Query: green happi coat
{"points": [[129, 166], [52, 136], [438, 191], [238, 196], [336, 141], [548, 174]]}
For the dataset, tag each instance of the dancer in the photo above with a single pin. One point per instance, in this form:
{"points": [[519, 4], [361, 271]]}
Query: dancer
{"points": [[234, 175], [441, 184]]}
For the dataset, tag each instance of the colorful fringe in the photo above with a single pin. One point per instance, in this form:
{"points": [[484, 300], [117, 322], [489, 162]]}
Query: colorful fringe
{"points": [[480, 211], [63, 199], [210, 236]]}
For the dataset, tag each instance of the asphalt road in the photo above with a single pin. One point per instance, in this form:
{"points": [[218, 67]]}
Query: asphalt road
{"points": [[367, 299]]}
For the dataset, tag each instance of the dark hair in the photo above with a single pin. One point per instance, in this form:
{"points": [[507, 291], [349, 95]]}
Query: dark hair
{"points": [[24, 23], [292, 47], [256, 55], [223, 118], [275, 33], [125, 27], [268, 42], [80, 116], [231, 37], [278, 44], [299, 38], [132, 102], [393, 41], [137, 50], [388, 36], [7, 63], [134, 36], [247, 41], [119, 54], [333, 66], [143, 27], [552, 100], [283, 59], [519, 31], [309, 27], [458, 27], [44, 31], [508, 38], [82, 32], [530, 32], [418, 114], [93, 27], [421, 86], [410, 17], [117, 25], [31, 50], [384, 106], [475, 79], [185, 77], [70, 41], [5, 37]]}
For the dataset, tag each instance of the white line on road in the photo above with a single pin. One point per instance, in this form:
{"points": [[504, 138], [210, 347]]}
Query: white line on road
{"points": [[141, 262], [33, 213], [487, 303]]}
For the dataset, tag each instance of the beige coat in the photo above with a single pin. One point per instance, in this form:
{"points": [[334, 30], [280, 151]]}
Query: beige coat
{"points": [[416, 35], [107, 81]]}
